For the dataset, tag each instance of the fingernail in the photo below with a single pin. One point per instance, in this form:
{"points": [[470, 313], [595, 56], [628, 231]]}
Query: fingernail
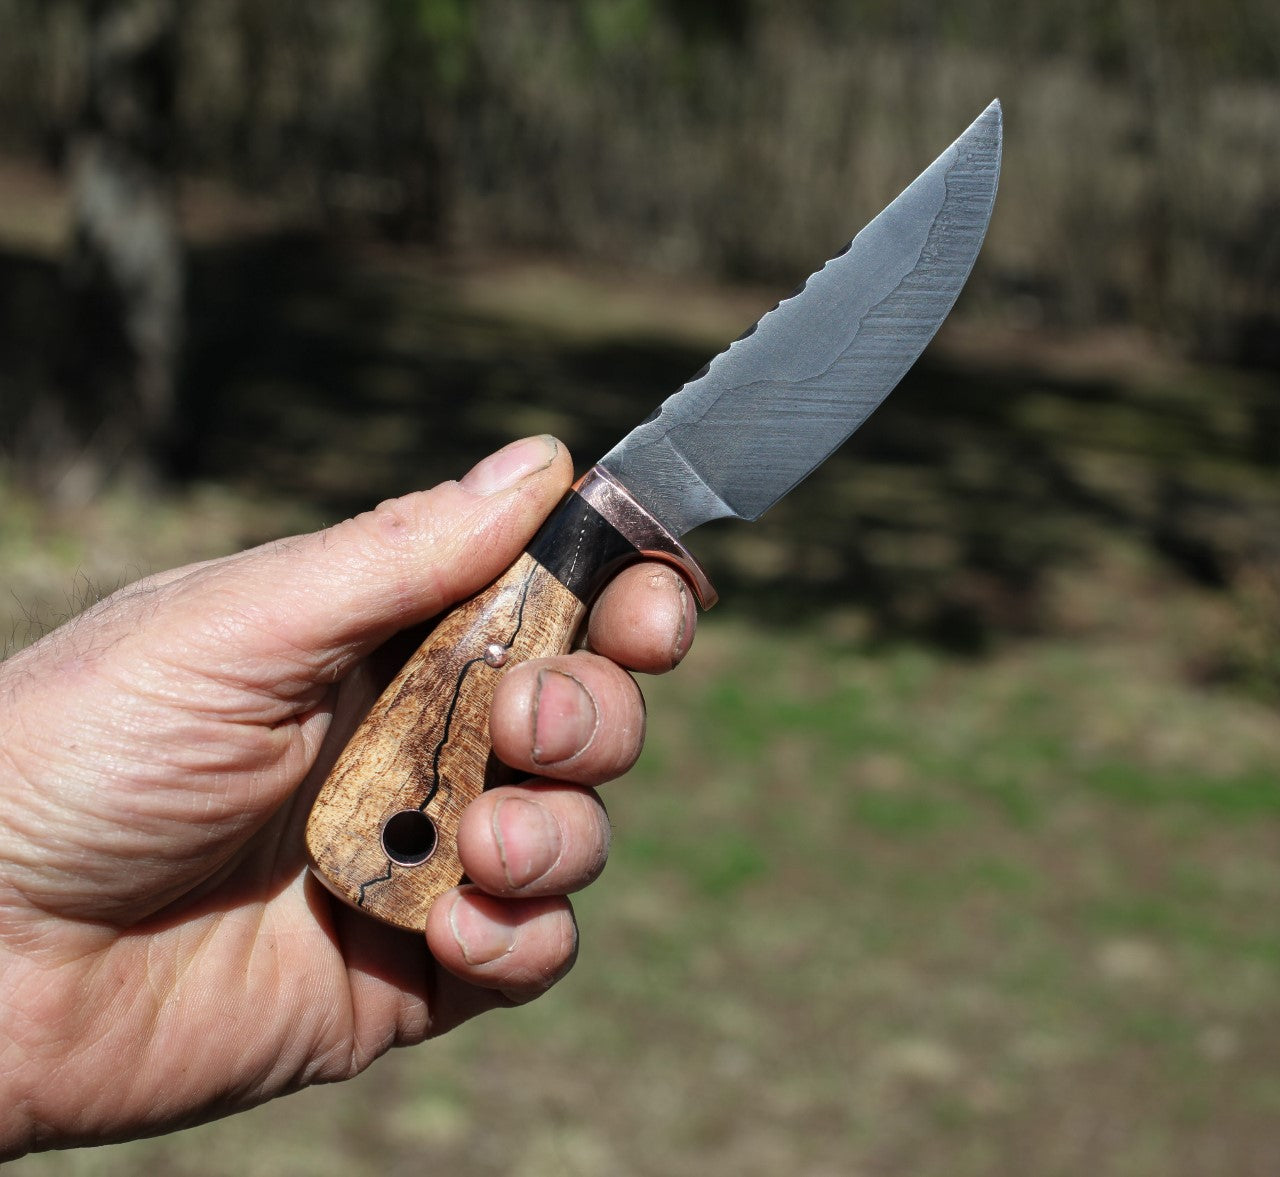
{"points": [[528, 838], [500, 471], [481, 938], [564, 718]]}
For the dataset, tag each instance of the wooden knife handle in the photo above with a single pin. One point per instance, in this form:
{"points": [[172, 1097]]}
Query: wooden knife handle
{"points": [[383, 832]]}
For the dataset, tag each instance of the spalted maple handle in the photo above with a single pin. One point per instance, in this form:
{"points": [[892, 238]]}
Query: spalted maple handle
{"points": [[383, 832]]}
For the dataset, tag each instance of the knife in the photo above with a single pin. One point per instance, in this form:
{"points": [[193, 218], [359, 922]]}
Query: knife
{"points": [[754, 422]]}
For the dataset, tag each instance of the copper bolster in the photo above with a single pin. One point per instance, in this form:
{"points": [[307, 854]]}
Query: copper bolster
{"points": [[614, 503]]}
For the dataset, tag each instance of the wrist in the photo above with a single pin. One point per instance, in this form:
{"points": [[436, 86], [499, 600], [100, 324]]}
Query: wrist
{"points": [[17, 1135], [18, 1132], [46, 1040]]}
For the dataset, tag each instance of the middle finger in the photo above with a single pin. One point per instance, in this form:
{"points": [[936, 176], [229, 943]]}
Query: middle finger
{"points": [[576, 718]]}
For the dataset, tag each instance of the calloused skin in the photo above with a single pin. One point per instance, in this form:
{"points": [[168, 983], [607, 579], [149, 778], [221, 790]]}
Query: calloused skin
{"points": [[165, 956]]}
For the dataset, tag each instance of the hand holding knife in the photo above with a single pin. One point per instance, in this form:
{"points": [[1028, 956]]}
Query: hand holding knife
{"points": [[733, 441]]}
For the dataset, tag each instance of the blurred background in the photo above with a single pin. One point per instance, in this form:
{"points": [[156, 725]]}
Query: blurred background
{"points": [[956, 846]]}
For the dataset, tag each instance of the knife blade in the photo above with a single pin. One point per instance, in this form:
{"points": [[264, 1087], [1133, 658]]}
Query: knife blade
{"points": [[734, 440]]}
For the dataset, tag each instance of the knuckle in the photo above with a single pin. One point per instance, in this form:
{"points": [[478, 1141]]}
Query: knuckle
{"points": [[401, 535], [395, 522]]}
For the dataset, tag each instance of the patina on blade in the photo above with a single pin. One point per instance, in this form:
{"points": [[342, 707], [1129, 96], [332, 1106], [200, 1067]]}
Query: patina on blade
{"points": [[770, 409]]}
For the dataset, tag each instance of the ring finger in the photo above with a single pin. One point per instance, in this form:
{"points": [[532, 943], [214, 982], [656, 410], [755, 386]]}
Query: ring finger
{"points": [[527, 840]]}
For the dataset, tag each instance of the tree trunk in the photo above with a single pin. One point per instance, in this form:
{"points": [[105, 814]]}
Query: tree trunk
{"points": [[126, 266]]}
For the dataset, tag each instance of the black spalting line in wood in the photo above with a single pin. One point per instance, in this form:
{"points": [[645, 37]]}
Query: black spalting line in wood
{"points": [[374, 882], [448, 727], [457, 695], [444, 736]]}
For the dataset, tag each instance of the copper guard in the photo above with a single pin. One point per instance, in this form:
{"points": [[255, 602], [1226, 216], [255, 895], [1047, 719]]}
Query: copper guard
{"points": [[607, 496]]}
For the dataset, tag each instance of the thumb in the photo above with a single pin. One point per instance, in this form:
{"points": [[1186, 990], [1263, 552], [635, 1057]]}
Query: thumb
{"points": [[323, 601]]}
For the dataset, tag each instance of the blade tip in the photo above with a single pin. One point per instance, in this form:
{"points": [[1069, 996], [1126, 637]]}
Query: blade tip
{"points": [[988, 127]]}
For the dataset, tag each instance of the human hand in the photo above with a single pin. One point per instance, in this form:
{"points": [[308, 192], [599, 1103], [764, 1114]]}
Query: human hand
{"points": [[165, 956]]}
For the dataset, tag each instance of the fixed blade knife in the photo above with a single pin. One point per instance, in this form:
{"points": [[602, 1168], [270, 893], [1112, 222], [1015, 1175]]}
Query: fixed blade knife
{"points": [[757, 419]]}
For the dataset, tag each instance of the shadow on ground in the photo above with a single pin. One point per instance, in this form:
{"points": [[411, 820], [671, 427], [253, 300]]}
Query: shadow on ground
{"points": [[319, 374]]}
